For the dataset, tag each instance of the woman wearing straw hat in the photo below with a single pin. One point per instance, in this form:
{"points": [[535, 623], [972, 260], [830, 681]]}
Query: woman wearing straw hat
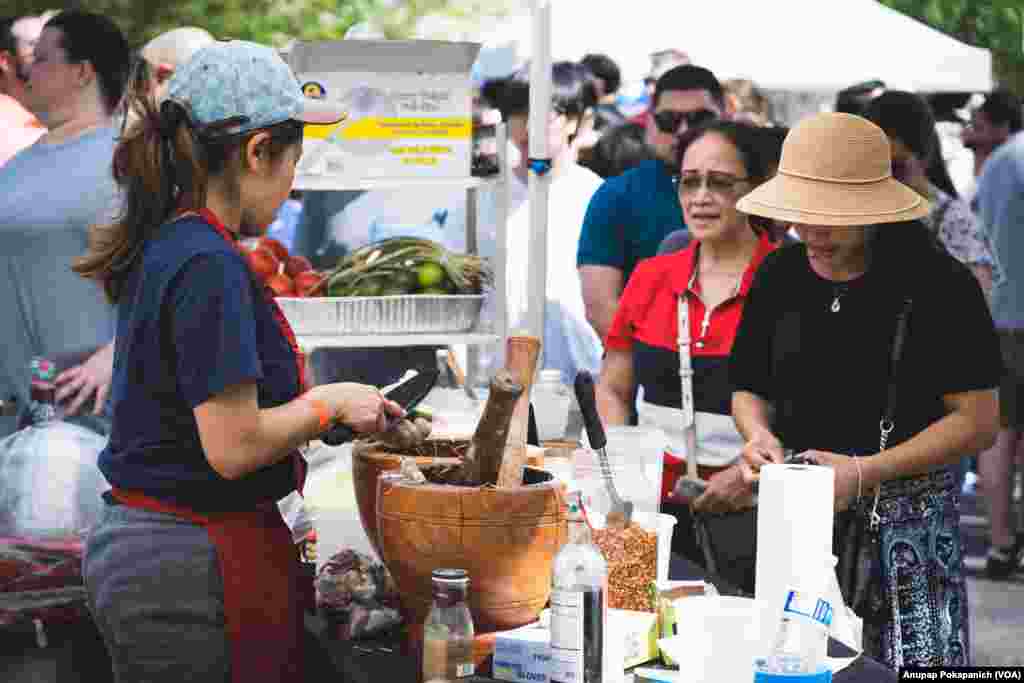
{"points": [[869, 339]]}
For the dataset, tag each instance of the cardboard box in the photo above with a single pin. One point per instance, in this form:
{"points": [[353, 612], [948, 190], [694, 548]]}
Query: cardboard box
{"points": [[409, 107], [632, 637], [524, 654]]}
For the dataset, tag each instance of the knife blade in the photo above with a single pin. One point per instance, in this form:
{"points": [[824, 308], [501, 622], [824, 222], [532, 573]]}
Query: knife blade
{"points": [[407, 393]]}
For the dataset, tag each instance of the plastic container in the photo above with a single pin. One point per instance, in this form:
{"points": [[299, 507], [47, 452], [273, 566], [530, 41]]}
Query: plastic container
{"points": [[551, 399], [719, 638], [665, 525], [635, 460]]}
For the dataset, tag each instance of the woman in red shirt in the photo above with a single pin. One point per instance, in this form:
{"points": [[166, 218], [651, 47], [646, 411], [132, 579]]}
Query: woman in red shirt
{"points": [[718, 164]]}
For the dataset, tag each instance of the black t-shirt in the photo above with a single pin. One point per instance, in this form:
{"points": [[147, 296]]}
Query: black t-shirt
{"points": [[827, 373]]}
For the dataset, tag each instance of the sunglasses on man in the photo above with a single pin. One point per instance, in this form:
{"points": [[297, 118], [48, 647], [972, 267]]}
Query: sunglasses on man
{"points": [[668, 121]]}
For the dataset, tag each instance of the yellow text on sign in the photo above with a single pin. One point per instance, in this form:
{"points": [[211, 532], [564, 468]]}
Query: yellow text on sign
{"points": [[379, 128]]}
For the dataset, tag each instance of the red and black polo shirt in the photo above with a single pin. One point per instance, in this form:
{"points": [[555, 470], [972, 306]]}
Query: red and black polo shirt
{"points": [[646, 322]]}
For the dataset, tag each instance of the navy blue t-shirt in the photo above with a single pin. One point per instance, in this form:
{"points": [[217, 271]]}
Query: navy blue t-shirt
{"points": [[192, 321], [628, 217]]}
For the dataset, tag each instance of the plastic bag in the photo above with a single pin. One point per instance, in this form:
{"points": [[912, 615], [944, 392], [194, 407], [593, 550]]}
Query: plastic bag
{"points": [[357, 593], [50, 485], [293, 510], [50, 495]]}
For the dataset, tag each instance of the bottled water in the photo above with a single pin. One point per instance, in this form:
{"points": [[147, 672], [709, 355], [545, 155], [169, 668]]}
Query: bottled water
{"points": [[578, 605], [801, 642]]}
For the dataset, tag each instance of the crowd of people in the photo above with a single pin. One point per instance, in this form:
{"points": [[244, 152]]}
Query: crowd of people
{"points": [[825, 289]]}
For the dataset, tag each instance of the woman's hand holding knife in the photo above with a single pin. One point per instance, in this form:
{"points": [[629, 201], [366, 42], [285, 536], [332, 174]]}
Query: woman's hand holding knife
{"points": [[362, 407]]}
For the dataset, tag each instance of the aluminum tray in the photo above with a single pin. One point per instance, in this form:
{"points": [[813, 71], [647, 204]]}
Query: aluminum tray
{"points": [[409, 314]]}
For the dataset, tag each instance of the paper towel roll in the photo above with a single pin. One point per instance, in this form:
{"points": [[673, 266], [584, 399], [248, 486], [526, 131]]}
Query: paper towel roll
{"points": [[794, 526]]}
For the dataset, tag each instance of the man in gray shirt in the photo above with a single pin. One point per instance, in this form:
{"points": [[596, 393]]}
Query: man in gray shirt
{"points": [[1000, 204], [53, 191]]}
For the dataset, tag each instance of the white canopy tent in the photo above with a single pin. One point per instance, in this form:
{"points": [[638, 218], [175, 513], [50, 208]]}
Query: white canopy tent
{"points": [[797, 45]]}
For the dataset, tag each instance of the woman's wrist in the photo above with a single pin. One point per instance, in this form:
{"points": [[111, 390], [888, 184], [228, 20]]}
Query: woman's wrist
{"points": [[873, 471], [327, 416], [323, 414]]}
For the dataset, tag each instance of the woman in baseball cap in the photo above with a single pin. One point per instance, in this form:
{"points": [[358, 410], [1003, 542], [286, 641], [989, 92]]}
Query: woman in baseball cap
{"points": [[191, 572], [867, 348]]}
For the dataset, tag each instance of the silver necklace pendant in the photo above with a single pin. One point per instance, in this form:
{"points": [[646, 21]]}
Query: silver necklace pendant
{"points": [[835, 304]]}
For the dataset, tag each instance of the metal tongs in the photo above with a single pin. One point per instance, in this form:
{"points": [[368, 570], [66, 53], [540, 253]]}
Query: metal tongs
{"points": [[622, 510]]}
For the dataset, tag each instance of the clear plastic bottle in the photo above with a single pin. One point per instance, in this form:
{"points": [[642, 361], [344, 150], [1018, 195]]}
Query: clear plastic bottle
{"points": [[43, 391], [578, 605], [801, 642], [448, 631], [551, 401]]}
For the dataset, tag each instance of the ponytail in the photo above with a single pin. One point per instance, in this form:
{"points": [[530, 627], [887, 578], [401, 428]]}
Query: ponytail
{"points": [[162, 165]]}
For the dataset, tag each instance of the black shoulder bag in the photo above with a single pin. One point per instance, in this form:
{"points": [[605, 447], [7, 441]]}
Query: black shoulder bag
{"points": [[856, 531]]}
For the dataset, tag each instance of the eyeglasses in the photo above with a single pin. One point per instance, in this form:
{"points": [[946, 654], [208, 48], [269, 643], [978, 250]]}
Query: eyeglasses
{"points": [[718, 183], [668, 121]]}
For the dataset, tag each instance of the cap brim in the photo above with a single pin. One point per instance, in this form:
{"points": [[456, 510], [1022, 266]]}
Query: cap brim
{"points": [[323, 113], [792, 199]]}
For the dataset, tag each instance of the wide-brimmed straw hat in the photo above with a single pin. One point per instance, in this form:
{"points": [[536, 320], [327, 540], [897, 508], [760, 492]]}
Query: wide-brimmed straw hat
{"points": [[836, 169]]}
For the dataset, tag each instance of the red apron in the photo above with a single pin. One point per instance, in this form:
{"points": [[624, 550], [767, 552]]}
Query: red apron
{"points": [[264, 593]]}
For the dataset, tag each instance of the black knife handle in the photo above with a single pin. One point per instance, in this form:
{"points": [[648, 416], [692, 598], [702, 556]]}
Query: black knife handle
{"points": [[337, 435], [584, 386]]}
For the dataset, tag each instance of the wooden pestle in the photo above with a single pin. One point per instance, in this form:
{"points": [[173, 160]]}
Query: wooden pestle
{"points": [[521, 356], [482, 461]]}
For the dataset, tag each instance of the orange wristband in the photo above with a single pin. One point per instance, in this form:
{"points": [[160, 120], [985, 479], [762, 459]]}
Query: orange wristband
{"points": [[322, 412]]}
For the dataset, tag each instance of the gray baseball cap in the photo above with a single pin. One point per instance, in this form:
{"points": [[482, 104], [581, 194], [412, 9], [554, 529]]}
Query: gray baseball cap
{"points": [[239, 86]]}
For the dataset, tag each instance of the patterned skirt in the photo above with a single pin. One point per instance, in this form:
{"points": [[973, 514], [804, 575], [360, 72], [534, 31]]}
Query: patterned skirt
{"points": [[919, 607]]}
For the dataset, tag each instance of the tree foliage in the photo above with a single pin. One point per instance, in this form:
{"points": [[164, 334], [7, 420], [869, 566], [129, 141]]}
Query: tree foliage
{"points": [[273, 22], [994, 24]]}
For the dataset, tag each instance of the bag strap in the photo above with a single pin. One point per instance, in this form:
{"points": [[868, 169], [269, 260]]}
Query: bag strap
{"points": [[887, 424]]}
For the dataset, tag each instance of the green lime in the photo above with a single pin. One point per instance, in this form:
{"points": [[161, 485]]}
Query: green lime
{"points": [[430, 274]]}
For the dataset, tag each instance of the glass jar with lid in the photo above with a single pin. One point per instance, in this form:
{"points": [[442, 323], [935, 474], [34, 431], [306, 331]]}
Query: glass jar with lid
{"points": [[448, 631]]}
